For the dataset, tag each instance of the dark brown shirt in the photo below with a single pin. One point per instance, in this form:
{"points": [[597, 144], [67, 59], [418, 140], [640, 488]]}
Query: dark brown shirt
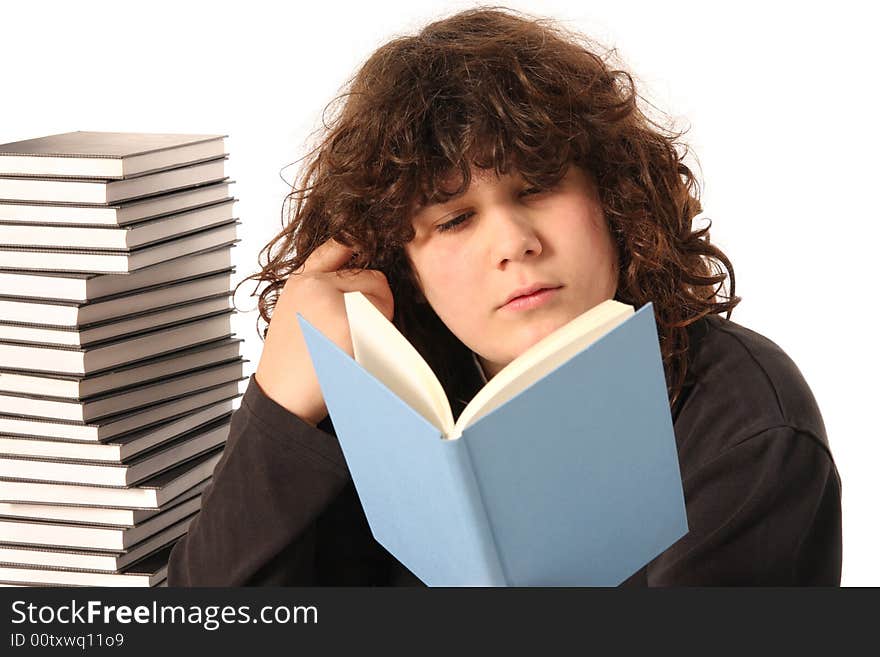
{"points": [[761, 489]]}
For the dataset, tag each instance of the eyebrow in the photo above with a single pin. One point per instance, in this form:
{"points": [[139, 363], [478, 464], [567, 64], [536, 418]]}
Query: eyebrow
{"points": [[430, 204], [435, 204]]}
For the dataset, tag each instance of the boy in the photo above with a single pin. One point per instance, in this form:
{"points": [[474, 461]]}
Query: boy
{"points": [[484, 182]]}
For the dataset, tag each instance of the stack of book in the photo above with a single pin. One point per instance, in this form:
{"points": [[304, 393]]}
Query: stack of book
{"points": [[118, 366]]}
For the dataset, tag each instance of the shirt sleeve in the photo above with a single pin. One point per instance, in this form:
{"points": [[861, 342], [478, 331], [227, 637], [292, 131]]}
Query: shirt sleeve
{"points": [[765, 512], [258, 522]]}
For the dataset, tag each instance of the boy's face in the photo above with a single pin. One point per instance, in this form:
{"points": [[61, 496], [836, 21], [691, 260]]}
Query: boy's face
{"points": [[501, 238]]}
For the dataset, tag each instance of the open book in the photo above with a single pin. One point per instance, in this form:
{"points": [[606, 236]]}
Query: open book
{"points": [[561, 471]]}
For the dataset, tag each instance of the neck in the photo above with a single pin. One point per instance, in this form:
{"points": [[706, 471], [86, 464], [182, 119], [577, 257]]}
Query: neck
{"points": [[487, 368]]}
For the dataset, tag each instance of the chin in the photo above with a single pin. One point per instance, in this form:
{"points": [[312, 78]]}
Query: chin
{"points": [[534, 334]]}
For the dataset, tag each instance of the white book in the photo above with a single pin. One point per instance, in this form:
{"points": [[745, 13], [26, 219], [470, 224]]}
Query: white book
{"points": [[117, 425], [103, 192], [126, 237], [92, 537], [93, 515], [116, 262], [83, 288], [122, 401], [151, 571], [154, 369], [26, 555], [96, 358], [105, 154], [118, 449], [119, 214], [149, 494], [117, 474], [71, 315], [117, 328]]}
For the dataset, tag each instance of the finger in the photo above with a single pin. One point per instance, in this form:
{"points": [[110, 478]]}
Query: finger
{"points": [[373, 285], [329, 256]]}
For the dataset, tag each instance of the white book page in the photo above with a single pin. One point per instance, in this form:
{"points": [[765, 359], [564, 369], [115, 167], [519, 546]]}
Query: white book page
{"points": [[383, 351]]}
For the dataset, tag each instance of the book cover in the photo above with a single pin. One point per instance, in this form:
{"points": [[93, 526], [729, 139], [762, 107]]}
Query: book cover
{"points": [[150, 571], [83, 287], [114, 353], [105, 154], [120, 238], [128, 473], [103, 192], [119, 449], [128, 400], [118, 425], [60, 558], [150, 494], [116, 214], [116, 262], [150, 370], [93, 515], [117, 328], [73, 315], [574, 481], [92, 537]]}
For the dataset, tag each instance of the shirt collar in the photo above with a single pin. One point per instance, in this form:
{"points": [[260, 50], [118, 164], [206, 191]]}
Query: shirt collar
{"points": [[482, 374]]}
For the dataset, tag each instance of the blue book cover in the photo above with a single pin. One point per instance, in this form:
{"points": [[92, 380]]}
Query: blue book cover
{"points": [[573, 481]]}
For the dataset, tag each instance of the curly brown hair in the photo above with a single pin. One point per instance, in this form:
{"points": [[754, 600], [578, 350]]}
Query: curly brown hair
{"points": [[497, 90]]}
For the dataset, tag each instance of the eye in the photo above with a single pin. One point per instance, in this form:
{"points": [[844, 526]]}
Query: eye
{"points": [[533, 191], [455, 223]]}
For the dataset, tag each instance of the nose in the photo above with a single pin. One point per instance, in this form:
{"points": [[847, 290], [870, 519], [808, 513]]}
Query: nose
{"points": [[512, 236]]}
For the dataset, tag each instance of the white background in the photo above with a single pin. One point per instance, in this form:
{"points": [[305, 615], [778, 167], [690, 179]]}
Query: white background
{"points": [[781, 100]]}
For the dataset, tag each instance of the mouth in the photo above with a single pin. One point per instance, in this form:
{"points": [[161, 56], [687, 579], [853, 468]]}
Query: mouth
{"points": [[530, 297]]}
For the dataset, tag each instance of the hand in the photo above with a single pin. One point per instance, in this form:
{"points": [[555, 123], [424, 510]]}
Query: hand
{"points": [[285, 372]]}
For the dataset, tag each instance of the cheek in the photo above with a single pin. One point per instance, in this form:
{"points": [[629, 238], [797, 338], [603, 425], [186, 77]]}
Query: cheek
{"points": [[586, 254], [449, 285], [434, 271], [607, 248], [590, 235]]}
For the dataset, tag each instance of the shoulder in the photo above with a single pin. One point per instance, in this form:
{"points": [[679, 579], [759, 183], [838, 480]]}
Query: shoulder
{"points": [[742, 386]]}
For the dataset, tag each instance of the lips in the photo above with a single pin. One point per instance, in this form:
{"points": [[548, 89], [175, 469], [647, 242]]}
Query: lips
{"points": [[531, 289]]}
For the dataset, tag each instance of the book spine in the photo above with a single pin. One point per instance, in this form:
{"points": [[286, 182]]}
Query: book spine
{"points": [[470, 501]]}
